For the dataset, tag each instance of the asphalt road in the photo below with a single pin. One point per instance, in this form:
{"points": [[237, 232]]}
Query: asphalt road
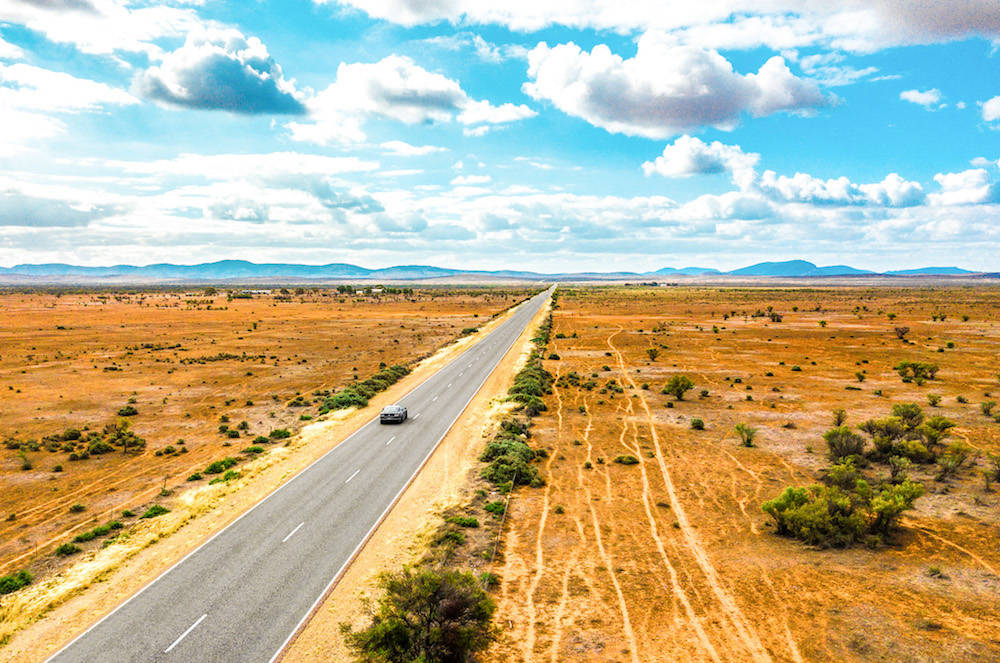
{"points": [[242, 594]]}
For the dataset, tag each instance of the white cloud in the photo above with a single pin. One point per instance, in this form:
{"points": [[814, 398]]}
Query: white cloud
{"points": [[403, 149], [9, 51], [27, 87], [22, 130], [854, 25], [927, 98], [991, 109], [471, 180], [969, 187], [664, 90], [228, 166], [397, 88], [221, 70], [689, 156], [101, 26], [804, 188]]}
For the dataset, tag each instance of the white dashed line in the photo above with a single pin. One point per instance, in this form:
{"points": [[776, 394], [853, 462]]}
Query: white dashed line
{"points": [[184, 634], [416, 415], [292, 532], [352, 476], [390, 440], [434, 399]]}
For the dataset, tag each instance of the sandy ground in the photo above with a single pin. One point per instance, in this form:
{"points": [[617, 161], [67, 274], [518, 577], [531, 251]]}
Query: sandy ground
{"points": [[444, 482], [672, 559], [76, 596]]}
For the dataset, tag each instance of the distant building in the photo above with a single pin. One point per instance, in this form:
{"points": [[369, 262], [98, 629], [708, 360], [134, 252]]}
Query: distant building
{"points": [[255, 292]]}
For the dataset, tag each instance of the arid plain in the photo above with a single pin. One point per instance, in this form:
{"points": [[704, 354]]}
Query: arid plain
{"points": [[192, 367], [673, 559]]}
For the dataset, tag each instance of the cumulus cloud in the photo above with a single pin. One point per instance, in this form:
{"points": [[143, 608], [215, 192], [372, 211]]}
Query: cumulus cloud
{"points": [[689, 156], [804, 188], [398, 88], [991, 109], [927, 98], [664, 90], [856, 25], [969, 187], [221, 70], [20, 209]]}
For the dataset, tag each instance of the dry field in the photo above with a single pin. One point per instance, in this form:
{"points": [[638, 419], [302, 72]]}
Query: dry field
{"points": [[183, 361], [672, 559]]}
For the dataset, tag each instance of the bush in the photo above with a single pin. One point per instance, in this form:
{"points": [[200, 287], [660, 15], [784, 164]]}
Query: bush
{"points": [[425, 615], [832, 516], [128, 411], [254, 449], [497, 508], [280, 434], [219, 466], [843, 443], [464, 521], [232, 433], [154, 511], [67, 549], [697, 424], [746, 433], [14, 581], [677, 386], [98, 447], [627, 460], [916, 371], [77, 508], [195, 477]]}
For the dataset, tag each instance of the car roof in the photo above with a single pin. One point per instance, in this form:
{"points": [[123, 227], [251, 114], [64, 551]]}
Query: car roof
{"points": [[393, 408]]}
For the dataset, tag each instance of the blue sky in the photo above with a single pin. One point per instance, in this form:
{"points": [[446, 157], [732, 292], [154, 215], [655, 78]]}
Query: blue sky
{"points": [[586, 135]]}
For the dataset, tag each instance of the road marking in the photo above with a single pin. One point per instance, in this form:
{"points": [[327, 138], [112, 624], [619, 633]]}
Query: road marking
{"points": [[390, 440], [184, 634], [292, 532], [352, 476], [434, 399], [449, 385], [416, 415]]}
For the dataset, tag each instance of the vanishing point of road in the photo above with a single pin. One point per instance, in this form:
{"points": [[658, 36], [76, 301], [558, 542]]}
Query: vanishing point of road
{"points": [[244, 593]]}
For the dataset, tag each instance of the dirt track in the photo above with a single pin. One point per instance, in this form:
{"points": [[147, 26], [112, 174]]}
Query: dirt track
{"points": [[672, 559]]}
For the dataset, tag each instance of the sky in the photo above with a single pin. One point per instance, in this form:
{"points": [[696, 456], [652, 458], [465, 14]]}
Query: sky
{"points": [[561, 135]]}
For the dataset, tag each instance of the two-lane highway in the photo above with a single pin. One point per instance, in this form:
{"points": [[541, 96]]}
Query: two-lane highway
{"points": [[244, 593]]}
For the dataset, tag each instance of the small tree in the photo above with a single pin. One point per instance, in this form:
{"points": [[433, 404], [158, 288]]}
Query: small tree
{"points": [[839, 417], [653, 353], [901, 332], [747, 434], [425, 615], [677, 385], [843, 443]]}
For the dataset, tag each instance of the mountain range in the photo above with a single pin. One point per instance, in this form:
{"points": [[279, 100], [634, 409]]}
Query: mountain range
{"points": [[242, 269]]}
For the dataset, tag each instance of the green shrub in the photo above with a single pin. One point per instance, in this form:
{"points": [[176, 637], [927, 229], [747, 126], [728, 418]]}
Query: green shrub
{"points": [[232, 433], [747, 434], [843, 443], [697, 424], [254, 449], [67, 549], [916, 371], [154, 511], [195, 477], [464, 521], [627, 460], [832, 516], [14, 581], [219, 466], [128, 411], [98, 447], [677, 386], [425, 615], [77, 508], [280, 434], [497, 508]]}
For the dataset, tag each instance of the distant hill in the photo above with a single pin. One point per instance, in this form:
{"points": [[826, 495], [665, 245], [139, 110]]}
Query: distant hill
{"points": [[796, 268], [925, 271], [242, 269]]}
